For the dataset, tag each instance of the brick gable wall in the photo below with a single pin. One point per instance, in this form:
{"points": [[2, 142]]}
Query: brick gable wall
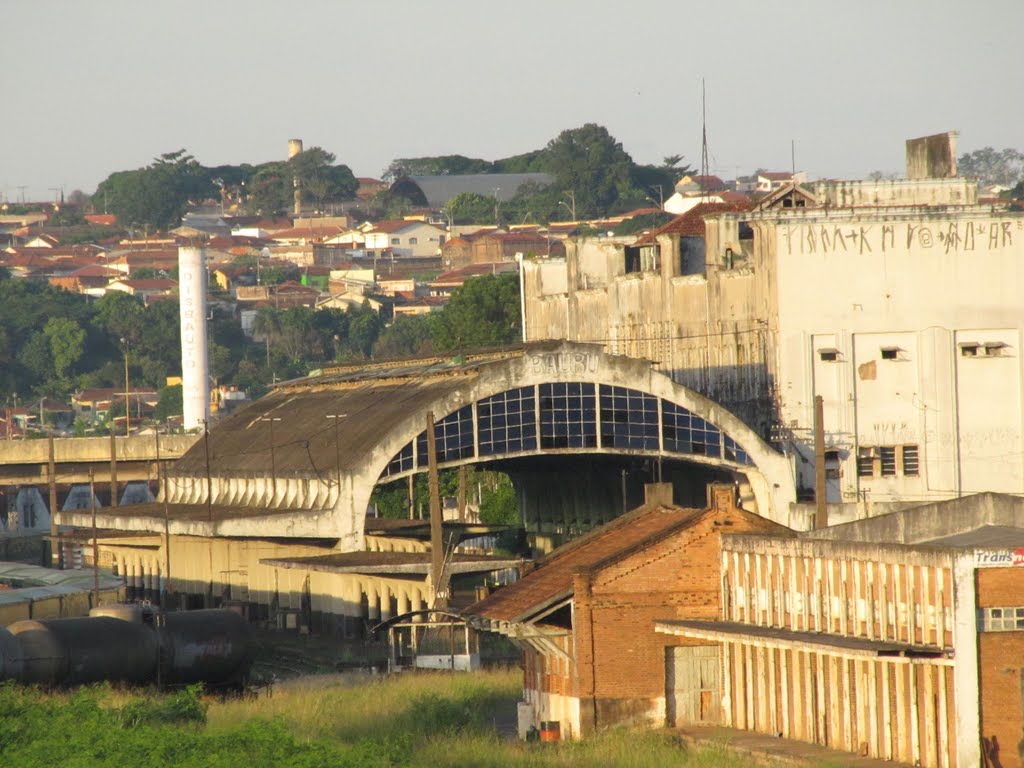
{"points": [[1001, 667]]}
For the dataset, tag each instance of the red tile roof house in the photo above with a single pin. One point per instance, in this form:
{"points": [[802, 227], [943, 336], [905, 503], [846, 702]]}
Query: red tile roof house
{"points": [[585, 616]]}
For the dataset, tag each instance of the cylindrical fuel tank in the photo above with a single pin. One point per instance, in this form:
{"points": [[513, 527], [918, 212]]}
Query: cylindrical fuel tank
{"points": [[212, 646], [10, 656], [85, 650], [132, 612]]}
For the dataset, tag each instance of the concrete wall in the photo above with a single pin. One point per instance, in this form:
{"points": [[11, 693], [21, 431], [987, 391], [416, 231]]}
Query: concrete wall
{"points": [[897, 293]]}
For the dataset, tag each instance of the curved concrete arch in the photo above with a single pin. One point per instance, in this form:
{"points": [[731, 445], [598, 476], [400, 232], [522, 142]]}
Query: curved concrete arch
{"points": [[770, 476]]}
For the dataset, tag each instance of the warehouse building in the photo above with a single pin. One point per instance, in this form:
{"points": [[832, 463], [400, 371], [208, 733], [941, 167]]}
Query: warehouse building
{"points": [[909, 650]]}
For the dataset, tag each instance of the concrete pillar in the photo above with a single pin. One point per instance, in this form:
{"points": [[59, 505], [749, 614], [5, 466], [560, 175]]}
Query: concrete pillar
{"points": [[965, 672], [403, 600], [385, 603], [129, 580], [372, 604], [585, 674]]}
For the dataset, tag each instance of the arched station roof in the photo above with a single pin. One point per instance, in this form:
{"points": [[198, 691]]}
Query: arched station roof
{"points": [[309, 454]]}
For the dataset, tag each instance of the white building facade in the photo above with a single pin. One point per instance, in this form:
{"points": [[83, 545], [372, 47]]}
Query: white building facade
{"points": [[902, 309]]}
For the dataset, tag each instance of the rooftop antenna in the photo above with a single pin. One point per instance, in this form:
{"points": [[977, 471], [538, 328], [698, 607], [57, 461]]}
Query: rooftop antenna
{"points": [[703, 139], [792, 155]]}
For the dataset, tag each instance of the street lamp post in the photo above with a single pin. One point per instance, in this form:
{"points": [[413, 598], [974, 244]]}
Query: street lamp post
{"points": [[273, 460], [571, 194], [337, 417], [127, 398]]}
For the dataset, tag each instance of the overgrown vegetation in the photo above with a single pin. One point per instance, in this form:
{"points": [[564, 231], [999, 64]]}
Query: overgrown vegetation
{"points": [[371, 722], [490, 492]]}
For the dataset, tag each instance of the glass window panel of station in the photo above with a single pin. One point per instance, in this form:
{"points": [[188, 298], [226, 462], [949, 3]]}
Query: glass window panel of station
{"points": [[686, 432], [454, 435], [568, 415], [402, 462], [629, 418], [734, 452], [507, 422]]}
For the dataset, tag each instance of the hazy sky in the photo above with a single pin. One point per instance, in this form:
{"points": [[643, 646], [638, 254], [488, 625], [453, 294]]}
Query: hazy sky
{"points": [[94, 87]]}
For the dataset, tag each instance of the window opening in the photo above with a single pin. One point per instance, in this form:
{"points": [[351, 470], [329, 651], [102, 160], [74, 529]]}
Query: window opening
{"points": [[507, 422], [887, 454], [629, 418], [828, 355], [911, 466], [568, 415]]}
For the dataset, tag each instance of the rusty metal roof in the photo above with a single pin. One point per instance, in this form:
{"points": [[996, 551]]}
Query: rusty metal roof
{"points": [[417, 563], [552, 579], [374, 399]]}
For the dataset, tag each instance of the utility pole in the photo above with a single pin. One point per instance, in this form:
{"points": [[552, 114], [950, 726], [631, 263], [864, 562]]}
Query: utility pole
{"points": [[56, 550], [95, 541], [337, 417], [209, 480], [127, 398], [436, 523], [462, 493], [820, 481], [273, 459], [113, 470], [162, 494]]}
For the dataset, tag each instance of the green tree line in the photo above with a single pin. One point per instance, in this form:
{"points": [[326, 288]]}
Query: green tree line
{"points": [[53, 342]]}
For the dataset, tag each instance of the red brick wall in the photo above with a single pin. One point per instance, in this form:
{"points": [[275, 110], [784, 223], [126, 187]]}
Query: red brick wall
{"points": [[1001, 667], [676, 578]]}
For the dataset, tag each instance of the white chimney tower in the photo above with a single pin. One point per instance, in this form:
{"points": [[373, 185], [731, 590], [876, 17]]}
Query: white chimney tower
{"points": [[195, 373]]}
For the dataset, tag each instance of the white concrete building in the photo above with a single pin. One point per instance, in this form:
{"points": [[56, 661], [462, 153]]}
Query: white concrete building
{"points": [[899, 302]]}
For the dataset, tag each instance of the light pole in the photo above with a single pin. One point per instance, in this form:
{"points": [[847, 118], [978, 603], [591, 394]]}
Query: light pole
{"points": [[571, 194], [337, 417], [127, 400], [273, 460]]}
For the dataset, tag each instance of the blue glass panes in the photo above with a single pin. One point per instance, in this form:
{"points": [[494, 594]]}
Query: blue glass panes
{"points": [[568, 415], [507, 422], [685, 432], [454, 434], [733, 452], [402, 462], [629, 419]]}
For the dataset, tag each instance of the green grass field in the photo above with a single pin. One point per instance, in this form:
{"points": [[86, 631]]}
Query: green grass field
{"points": [[352, 720]]}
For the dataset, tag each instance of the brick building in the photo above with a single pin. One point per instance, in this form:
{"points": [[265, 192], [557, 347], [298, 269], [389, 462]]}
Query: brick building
{"points": [[911, 650], [584, 617]]}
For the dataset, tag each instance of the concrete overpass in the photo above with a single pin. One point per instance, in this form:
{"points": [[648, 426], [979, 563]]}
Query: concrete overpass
{"points": [[31, 479], [26, 462]]}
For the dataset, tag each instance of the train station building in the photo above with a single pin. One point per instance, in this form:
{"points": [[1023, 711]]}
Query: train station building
{"points": [[270, 508]]}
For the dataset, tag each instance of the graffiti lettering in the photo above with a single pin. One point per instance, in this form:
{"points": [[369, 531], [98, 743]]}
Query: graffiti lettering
{"points": [[950, 236], [557, 363]]}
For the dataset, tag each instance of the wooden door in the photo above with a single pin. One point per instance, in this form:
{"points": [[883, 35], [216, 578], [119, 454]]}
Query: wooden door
{"points": [[692, 688]]}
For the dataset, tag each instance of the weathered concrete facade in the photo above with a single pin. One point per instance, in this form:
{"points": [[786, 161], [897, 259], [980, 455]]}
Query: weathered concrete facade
{"points": [[896, 301]]}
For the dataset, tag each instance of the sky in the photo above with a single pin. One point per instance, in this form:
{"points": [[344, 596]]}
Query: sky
{"points": [[107, 85]]}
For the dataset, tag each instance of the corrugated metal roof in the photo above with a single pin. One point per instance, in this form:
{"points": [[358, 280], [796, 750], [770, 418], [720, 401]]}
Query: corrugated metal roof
{"points": [[41, 583]]}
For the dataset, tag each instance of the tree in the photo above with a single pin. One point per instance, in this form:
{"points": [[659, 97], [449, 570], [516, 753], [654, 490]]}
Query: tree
{"points": [[121, 315], [442, 165], [471, 208], [67, 343], [407, 335], [589, 163], [484, 312], [1004, 167], [499, 506], [171, 403], [157, 195], [319, 178]]}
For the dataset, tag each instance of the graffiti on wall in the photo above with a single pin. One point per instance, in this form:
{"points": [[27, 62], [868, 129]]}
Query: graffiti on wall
{"points": [[944, 237]]}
